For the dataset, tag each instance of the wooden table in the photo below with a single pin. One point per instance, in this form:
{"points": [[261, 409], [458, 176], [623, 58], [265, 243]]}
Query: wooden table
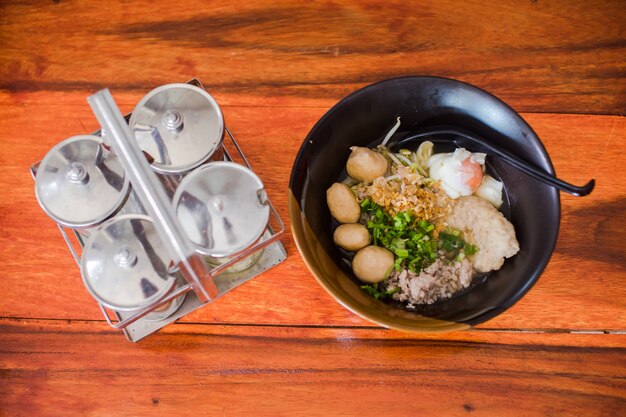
{"points": [[280, 345]]}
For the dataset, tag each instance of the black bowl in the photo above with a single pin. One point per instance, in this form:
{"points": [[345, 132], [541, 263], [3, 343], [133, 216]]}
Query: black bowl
{"points": [[362, 119]]}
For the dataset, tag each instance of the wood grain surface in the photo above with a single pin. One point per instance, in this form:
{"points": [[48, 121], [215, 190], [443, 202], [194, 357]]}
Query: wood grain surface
{"points": [[190, 370], [280, 345], [549, 56]]}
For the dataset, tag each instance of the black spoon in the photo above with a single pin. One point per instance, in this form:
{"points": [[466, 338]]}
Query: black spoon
{"points": [[523, 166]]}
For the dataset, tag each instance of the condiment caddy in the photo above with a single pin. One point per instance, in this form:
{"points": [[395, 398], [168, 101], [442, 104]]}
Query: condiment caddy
{"points": [[160, 209]]}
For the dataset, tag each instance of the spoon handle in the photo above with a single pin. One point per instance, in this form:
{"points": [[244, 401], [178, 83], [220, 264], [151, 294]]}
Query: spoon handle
{"points": [[513, 160]]}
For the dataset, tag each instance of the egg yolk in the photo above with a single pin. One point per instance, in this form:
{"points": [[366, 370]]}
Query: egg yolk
{"points": [[472, 173]]}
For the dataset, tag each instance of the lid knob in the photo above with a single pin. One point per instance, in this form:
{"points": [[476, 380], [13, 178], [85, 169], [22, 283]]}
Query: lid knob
{"points": [[125, 257], [77, 173], [172, 120], [217, 203]]}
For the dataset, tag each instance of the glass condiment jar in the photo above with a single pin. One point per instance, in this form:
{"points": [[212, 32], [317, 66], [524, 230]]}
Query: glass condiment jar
{"points": [[222, 206], [126, 267], [180, 126], [80, 183]]}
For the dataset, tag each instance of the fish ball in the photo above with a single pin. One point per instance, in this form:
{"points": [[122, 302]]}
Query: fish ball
{"points": [[352, 236], [343, 204], [366, 165], [372, 264]]}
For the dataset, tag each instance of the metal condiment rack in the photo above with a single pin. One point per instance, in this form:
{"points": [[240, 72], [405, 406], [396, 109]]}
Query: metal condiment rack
{"points": [[138, 324]]}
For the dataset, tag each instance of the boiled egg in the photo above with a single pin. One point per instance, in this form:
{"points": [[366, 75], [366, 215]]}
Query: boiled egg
{"points": [[491, 190], [460, 173]]}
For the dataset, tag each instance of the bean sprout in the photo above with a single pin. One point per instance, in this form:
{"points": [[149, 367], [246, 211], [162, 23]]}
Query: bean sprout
{"points": [[391, 132]]}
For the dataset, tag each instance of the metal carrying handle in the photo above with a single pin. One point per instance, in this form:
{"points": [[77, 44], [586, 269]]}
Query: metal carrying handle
{"points": [[152, 196]]}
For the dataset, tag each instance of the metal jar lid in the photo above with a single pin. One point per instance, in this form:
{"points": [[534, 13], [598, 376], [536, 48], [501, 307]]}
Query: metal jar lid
{"points": [[79, 183], [179, 125], [124, 265], [222, 207]]}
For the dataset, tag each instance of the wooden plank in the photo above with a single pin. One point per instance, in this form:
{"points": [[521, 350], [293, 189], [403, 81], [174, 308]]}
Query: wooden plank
{"points": [[582, 287], [556, 337], [559, 56], [275, 371]]}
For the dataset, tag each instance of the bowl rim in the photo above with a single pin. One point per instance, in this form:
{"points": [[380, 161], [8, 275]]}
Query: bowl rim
{"points": [[295, 211]]}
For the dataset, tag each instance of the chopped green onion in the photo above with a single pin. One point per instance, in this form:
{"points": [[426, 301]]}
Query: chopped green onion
{"points": [[408, 239], [376, 293], [402, 253], [470, 249]]}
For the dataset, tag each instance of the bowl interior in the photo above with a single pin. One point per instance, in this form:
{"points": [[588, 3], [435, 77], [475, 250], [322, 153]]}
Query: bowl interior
{"points": [[362, 119]]}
